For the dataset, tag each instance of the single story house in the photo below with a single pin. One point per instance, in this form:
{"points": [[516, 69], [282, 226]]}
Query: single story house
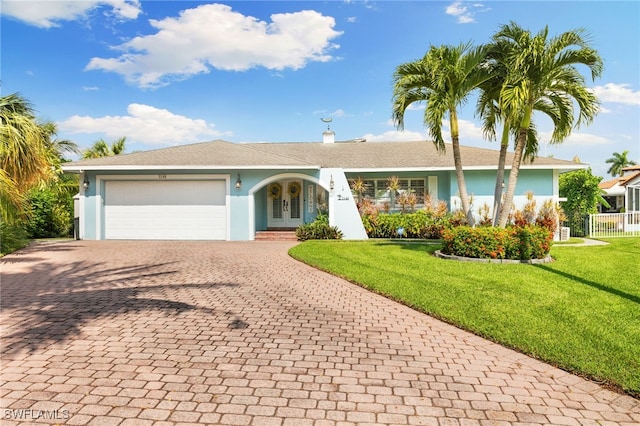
{"points": [[229, 191], [623, 192]]}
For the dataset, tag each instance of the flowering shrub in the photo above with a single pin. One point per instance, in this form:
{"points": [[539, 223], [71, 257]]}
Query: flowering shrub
{"points": [[515, 242], [529, 235], [420, 224], [319, 229]]}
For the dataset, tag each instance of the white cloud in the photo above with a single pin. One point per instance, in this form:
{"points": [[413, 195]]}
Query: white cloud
{"points": [[48, 14], [145, 124], [465, 13], [469, 133], [126, 9], [214, 36], [576, 139], [617, 93], [395, 136]]}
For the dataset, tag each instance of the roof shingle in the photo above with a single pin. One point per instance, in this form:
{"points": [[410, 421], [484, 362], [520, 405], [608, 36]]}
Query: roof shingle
{"points": [[346, 155]]}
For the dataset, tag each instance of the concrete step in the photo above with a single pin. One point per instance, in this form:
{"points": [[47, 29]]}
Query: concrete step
{"points": [[276, 236]]}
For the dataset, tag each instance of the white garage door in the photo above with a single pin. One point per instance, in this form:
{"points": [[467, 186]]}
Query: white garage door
{"points": [[165, 210]]}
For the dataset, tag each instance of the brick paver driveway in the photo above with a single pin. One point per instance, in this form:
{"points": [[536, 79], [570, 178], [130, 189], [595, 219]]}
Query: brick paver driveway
{"points": [[115, 333]]}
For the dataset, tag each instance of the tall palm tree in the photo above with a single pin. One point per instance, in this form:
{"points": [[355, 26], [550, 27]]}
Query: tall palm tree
{"points": [[58, 147], [542, 76], [13, 201], [618, 162], [24, 150], [101, 149], [492, 114], [443, 79], [25, 154], [489, 109]]}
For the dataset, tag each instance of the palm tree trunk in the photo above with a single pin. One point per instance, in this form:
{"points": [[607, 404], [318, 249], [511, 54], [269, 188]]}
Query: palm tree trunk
{"points": [[502, 159], [457, 161], [513, 177]]}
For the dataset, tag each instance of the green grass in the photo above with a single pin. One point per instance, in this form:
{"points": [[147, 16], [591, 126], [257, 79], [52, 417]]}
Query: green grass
{"points": [[580, 312], [572, 240]]}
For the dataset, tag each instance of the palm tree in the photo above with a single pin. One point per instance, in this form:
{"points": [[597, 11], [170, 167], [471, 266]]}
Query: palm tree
{"points": [[541, 76], [58, 147], [491, 111], [101, 149], [618, 163], [13, 201], [443, 78], [488, 108], [25, 154]]}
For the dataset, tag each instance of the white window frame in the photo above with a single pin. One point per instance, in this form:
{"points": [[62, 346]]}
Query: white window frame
{"points": [[378, 186]]}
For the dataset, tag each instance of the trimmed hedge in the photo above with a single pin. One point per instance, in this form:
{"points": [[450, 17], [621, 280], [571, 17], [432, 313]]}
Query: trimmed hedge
{"points": [[420, 224], [515, 242]]}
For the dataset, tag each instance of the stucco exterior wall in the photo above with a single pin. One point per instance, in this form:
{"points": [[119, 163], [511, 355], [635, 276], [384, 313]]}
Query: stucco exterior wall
{"points": [[247, 205]]}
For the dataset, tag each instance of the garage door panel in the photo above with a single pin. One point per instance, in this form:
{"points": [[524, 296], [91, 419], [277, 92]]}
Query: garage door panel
{"points": [[133, 193], [184, 210]]}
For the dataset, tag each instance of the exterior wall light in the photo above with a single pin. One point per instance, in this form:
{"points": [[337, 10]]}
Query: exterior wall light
{"points": [[331, 183], [238, 182], [85, 183]]}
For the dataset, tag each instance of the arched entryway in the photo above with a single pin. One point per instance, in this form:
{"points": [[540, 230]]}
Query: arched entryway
{"points": [[284, 202]]}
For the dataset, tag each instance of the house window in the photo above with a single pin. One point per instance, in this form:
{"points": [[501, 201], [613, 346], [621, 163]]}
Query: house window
{"points": [[376, 190]]}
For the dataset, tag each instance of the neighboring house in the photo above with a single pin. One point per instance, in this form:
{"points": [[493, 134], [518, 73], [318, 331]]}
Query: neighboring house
{"points": [[622, 193], [227, 191]]}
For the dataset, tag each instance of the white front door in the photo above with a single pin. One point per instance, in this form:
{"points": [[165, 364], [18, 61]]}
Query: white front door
{"points": [[284, 204]]}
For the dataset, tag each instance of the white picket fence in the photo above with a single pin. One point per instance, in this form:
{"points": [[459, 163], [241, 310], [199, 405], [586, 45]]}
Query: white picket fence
{"points": [[608, 225]]}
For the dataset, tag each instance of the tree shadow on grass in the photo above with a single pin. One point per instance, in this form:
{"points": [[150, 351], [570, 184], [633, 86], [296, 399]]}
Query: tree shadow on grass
{"points": [[598, 286]]}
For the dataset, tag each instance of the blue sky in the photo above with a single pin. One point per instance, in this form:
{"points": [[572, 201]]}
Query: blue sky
{"points": [[165, 73]]}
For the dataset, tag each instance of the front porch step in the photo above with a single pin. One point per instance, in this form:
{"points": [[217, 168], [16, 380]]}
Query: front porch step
{"points": [[284, 235]]}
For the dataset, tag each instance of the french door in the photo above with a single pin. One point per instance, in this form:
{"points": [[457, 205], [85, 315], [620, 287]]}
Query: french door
{"points": [[284, 204]]}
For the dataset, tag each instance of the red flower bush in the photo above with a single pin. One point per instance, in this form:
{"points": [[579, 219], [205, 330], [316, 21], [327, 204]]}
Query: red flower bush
{"points": [[515, 242]]}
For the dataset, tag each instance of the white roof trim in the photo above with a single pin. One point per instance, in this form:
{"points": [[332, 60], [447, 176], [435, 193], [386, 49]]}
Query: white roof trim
{"points": [[183, 167], [81, 168], [561, 167]]}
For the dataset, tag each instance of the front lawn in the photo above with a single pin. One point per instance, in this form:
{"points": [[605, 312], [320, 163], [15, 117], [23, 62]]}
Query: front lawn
{"points": [[580, 312]]}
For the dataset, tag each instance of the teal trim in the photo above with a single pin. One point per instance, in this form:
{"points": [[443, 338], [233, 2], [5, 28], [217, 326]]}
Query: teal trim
{"points": [[482, 182], [239, 211], [243, 221], [260, 214], [540, 182]]}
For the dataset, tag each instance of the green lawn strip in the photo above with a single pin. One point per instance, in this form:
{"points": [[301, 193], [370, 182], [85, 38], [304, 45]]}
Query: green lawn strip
{"points": [[570, 241], [581, 312]]}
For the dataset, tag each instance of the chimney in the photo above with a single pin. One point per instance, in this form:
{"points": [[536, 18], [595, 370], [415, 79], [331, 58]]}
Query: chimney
{"points": [[328, 136]]}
